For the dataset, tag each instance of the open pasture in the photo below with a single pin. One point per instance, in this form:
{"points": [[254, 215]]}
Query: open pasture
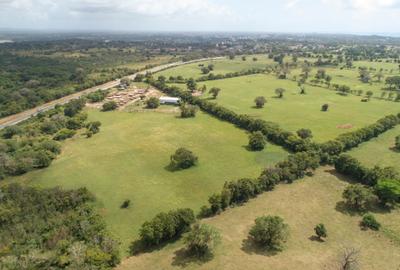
{"points": [[221, 66], [379, 151], [295, 111], [128, 160], [302, 205]]}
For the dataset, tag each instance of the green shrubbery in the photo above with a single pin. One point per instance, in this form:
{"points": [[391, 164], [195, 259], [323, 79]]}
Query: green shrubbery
{"points": [[53, 229], [183, 159], [270, 232], [369, 221]]}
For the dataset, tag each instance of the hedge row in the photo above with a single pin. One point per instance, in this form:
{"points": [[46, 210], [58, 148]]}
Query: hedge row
{"points": [[350, 166], [347, 141], [236, 192]]}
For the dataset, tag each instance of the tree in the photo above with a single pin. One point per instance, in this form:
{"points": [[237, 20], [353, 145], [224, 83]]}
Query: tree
{"points": [[369, 221], [125, 81], [191, 84], [244, 58], [388, 191], [211, 67], [357, 196], [125, 204], [369, 94], [187, 110], [153, 103], [73, 107], [64, 134], [110, 106], [304, 133], [325, 107], [321, 231], [279, 92], [270, 232], [257, 141], [214, 92], [183, 159], [202, 240], [205, 70], [260, 101], [348, 259]]}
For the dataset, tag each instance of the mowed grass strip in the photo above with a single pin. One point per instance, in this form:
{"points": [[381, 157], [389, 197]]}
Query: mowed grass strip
{"points": [[295, 111], [221, 66], [127, 160], [379, 151], [302, 205]]}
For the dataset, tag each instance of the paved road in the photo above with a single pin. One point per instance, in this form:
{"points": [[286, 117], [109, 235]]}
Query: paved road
{"points": [[22, 116]]}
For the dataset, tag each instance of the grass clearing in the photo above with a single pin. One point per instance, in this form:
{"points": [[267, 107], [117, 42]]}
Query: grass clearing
{"points": [[221, 66], [379, 151], [306, 203], [127, 160], [295, 111]]}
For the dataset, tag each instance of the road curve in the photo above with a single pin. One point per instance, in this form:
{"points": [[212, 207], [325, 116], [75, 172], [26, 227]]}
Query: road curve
{"points": [[22, 116]]}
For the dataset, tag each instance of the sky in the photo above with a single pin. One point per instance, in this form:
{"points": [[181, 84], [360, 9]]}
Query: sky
{"points": [[323, 16]]}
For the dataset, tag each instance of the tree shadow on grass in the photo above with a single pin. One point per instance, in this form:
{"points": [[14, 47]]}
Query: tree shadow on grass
{"points": [[183, 258], [252, 248], [394, 149], [340, 176], [138, 247], [315, 238], [343, 208]]}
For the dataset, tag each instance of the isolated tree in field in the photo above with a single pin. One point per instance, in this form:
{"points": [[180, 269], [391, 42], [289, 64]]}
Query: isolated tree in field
{"points": [[211, 67], [260, 101], [205, 70], [369, 94], [214, 92], [257, 141], [110, 106], [304, 133], [153, 103], [397, 143], [270, 232], [231, 56], [302, 89], [358, 196], [325, 107], [191, 84], [388, 191], [279, 92], [348, 259], [321, 231], [370, 222], [244, 58], [183, 159], [255, 59], [187, 110], [202, 240]]}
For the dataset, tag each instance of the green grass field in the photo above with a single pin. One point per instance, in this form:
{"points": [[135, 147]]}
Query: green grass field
{"points": [[127, 160], [302, 205], [296, 111], [379, 151], [221, 66]]}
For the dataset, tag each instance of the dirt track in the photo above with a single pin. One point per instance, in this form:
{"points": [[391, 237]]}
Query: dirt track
{"points": [[22, 116]]}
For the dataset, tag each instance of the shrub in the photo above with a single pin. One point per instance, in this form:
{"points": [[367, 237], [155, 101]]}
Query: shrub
{"points": [[257, 141], [325, 107], [183, 159], [369, 221], [188, 110], [74, 107], [388, 191], [321, 231], [397, 143], [304, 133], [358, 197], [270, 232], [260, 101], [280, 91], [64, 134], [126, 204], [153, 103], [214, 92], [202, 240], [166, 226], [110, 106]]}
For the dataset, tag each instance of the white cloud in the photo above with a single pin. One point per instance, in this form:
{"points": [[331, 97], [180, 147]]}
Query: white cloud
{"points": [[364, 5]]}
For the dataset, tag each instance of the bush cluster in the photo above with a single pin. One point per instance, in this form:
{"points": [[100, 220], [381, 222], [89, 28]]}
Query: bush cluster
{"points": [[53, 229], [166, 226]]}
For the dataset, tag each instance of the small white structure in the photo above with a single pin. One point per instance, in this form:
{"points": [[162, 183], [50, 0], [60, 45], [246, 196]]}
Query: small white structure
{"points": [[170, 100]]}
